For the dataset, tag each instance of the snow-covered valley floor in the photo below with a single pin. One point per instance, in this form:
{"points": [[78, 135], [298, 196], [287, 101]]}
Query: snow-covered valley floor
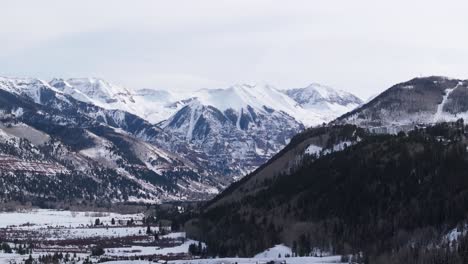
{"points": [[122, 238]]}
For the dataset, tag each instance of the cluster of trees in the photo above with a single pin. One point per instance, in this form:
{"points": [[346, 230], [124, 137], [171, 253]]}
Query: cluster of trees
{"points": [[381, 195], [18, 248], [5, 247], [73, 187], [450, 253], [197, 249], [56, 258]]}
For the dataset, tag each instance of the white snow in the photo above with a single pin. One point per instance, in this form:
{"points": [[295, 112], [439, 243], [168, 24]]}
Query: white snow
{"points": [[456, 233], [313, 150], [144, 250], [52, 218], [438, 117], [175, 235], [295, 260], [278, 251]]}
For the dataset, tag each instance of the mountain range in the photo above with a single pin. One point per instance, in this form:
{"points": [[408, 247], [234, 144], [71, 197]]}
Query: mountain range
{"points": [[385, 182], [171, 146], [142, 145]]}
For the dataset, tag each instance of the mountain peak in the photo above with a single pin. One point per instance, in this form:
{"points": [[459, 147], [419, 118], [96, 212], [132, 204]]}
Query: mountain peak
{"points": [[315, 93], [97, 84], [94, 90]]}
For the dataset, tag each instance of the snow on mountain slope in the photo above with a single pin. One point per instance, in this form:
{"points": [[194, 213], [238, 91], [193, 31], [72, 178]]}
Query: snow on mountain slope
{"points": [[156, 105], [260, 97], [95, 144], [241, 95], [97, 90], [311, 106], [324, 101], [152, 105], [236, 128], [25, 86]]}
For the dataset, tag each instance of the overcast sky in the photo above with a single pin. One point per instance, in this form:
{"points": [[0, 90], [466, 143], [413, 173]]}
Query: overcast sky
{"points": [[359, 46]]}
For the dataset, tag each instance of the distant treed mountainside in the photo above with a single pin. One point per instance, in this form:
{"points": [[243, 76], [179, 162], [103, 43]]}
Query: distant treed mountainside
{"points": [[418, 101], [343, 190]]}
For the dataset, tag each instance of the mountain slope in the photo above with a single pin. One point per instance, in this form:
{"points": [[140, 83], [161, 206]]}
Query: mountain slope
{"points": [[92, 144], [418, 101], [311, 105], [380, 194], [237, 129], [325, 101], [152, 105], [232, 131]]}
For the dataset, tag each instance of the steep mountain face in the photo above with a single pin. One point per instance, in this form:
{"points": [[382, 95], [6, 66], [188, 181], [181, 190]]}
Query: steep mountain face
{"points": [[419, 101], [342, 190], [237, 129], [234, 142], [325, 101], [112, 155]]}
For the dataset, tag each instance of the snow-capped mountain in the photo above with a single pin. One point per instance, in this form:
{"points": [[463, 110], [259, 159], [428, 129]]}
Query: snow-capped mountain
{"points": [[108, 154], [194, 144], [234, 142], [95, 91], [238, 128], [311, 105], [325, 101], [418, 101], [152, 105], [223, 126]]}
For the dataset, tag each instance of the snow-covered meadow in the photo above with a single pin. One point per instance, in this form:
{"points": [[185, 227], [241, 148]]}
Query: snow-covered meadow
{"points": [[76, 233], [53, 231], [44, 218]]}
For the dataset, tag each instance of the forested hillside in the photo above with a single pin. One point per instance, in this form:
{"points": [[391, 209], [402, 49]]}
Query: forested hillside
{"points": [[392, 197]]}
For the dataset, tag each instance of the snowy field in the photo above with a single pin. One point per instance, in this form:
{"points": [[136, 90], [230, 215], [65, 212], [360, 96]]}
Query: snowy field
{"points": [[298, 260], [54, 218], [145, 251], [268, 255]]}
